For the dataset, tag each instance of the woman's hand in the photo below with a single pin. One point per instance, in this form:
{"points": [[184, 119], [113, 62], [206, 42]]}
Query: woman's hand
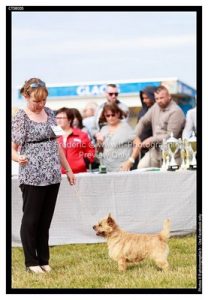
{"points": [[22, 160], [126, 166], [99, 137], [71, 178]]}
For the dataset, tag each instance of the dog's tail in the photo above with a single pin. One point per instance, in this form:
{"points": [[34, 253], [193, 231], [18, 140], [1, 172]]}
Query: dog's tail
{"points": [[165, 232]]}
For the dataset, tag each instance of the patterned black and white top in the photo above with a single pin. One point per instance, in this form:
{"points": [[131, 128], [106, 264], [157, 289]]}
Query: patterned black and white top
{"points": [[43, 167]]}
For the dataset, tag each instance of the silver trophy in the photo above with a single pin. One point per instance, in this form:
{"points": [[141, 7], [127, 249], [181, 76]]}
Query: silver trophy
{"points": [[192, 142], [182, 147], [165, 155], [173, 147], [188, 155]]}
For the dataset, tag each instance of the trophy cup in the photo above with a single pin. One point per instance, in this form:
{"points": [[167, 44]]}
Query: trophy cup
{"points": [[188, 155], [193, 149], [165, 155], [173, 147], [182, 147]]}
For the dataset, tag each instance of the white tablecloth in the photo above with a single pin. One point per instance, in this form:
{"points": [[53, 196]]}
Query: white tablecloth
{"points": [[139, 201]]}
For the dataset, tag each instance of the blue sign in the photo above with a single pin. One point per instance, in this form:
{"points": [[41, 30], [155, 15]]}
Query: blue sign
{"points": [[99, 89]]}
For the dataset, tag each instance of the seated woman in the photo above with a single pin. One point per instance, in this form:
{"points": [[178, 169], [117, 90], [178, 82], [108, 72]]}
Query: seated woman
{"points": [[75, 143], [119, 143]]}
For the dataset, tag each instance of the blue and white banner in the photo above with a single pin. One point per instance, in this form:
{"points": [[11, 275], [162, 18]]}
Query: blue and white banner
{"points": [[176, 87]]}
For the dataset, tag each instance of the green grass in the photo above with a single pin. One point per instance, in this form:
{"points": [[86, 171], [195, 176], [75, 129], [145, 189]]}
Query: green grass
{"points": [[89, 266]]}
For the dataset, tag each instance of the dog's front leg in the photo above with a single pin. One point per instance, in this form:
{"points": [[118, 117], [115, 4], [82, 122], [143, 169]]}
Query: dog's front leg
{"points": [[122, 264]]}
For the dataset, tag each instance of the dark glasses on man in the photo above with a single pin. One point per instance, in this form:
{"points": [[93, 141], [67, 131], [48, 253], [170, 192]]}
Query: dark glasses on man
{"points": [[111, 94], [37, 84], [110, 115]]}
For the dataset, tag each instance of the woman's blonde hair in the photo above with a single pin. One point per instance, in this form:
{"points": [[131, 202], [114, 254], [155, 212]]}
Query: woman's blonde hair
{"points": [[36, 86]]}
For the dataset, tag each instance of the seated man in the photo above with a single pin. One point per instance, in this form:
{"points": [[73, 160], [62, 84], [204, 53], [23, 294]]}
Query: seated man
{"points": [[165, 116], [190, 125]]}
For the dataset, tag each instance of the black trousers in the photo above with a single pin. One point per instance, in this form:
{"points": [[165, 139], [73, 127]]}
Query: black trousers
{"points": [[38, 208]]}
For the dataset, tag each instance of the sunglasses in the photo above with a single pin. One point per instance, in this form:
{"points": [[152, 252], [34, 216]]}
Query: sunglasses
{"points": [[111, 94], [110, 115], [37, 84]]}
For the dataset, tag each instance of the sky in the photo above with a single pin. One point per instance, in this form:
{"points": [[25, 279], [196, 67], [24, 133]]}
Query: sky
{"points": [[73, 47]]}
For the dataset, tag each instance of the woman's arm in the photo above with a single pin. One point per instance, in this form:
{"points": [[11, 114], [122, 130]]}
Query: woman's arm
{"points": [[66, 166], [87, 150], [21, 159], [126, 166]]}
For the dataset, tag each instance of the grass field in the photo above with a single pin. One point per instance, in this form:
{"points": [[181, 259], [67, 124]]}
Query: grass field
{"points": [[88, 266]]}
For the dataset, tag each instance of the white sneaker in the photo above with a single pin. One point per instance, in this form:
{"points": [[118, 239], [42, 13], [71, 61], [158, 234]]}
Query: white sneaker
{"points": [[46, 268], [34, 269]]}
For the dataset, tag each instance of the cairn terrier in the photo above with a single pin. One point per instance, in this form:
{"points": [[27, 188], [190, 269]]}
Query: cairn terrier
{"points": [[125, 247]]}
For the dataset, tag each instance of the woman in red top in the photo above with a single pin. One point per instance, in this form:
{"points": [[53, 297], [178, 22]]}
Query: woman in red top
{"points": [[78, 149]]}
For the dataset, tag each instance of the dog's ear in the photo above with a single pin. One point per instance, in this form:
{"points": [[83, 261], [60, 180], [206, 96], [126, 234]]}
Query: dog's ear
{"points": [[110, 220]]}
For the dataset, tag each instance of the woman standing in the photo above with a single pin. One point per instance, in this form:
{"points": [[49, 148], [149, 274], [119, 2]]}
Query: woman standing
{"points": [[118, 140], [39, 172]]}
